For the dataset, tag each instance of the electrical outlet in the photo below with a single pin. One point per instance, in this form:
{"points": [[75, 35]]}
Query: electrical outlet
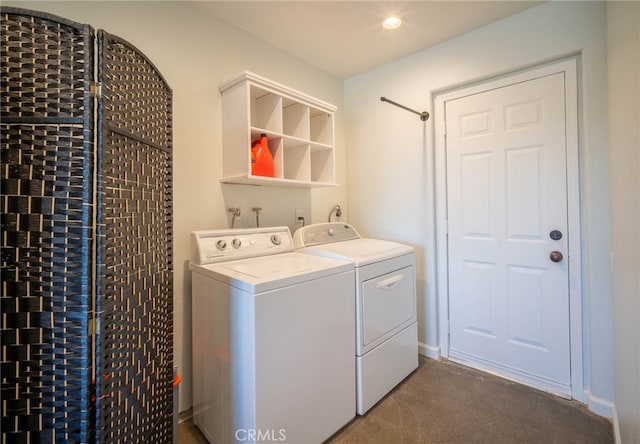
{"points": [[299, 217]]}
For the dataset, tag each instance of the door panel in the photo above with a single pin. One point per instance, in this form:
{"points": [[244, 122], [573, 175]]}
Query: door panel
{"points": [[134, 282], [524, 202], [477, 280], [46, 144], [506, 188]]}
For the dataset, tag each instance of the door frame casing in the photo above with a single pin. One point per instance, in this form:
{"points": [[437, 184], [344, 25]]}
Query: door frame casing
{"points": [[570, 69]]}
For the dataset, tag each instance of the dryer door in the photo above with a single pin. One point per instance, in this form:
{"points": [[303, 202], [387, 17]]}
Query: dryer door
{"points": [[387, 305]]}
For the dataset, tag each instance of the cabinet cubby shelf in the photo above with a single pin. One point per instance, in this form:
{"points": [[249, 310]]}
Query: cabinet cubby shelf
{"points": [[274, 182], [300, 130]]}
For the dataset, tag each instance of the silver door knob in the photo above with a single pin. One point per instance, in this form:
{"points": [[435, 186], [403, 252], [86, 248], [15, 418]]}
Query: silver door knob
{"points": [[555, 256]]}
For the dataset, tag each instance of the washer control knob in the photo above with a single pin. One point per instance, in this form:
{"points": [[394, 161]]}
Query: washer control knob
{"points": [[236, 243], [332, 231], [221, 244], [275, 239]]}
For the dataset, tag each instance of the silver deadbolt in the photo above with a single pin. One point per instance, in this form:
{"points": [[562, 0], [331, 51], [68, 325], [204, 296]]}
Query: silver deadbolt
{"points": [[555, 256]]}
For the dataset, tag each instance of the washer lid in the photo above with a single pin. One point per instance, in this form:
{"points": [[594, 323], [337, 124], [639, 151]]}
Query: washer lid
{"points": [[259, 274], [361, 251]]}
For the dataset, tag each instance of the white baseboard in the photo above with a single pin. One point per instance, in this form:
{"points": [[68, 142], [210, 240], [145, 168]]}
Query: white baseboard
{"points": [[600, 406], [185, 416], [616, 426], [429, 351]]}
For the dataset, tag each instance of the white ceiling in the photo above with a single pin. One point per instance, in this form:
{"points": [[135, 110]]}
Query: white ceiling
{"points": [[345, 38]]}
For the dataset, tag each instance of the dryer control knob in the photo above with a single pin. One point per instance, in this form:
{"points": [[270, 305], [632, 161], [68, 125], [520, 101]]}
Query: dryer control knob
{"points": [[275, 239], [221, 244], [237, 243], [332, 231]]}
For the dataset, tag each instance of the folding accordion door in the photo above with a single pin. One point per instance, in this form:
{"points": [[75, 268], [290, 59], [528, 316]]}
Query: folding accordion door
{"points": [[87, 290]]}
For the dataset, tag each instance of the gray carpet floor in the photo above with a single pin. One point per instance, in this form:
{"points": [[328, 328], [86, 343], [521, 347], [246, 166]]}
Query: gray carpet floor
{"points": [[447, 403]]}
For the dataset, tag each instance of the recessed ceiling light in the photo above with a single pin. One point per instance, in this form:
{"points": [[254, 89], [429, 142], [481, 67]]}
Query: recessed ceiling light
{"points": [[391, 22]]}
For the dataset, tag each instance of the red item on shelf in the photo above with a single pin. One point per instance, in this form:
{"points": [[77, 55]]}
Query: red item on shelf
{"points": [[261, 158]]}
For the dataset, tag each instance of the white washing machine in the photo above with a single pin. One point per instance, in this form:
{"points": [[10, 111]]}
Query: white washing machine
{"points": [[273, 338], [386, 322]]}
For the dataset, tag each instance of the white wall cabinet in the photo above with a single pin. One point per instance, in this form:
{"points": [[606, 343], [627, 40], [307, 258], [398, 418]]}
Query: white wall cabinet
{"points": [[300, 130]]}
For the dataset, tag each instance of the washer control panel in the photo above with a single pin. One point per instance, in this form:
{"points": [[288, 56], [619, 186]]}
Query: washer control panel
{"points": [[210, 246], [325, 233]]}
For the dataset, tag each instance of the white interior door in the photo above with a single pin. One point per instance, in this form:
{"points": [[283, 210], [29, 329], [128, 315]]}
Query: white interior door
{"points": [[507, 224]]}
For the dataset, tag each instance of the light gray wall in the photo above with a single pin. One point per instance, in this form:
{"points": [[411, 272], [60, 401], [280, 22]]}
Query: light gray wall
{"points": [[623, 56], [195, 54], [390, 156]]}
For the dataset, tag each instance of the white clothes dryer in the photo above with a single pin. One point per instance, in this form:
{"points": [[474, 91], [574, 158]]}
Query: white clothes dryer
{"points": [[273, 338], [386, 321]]}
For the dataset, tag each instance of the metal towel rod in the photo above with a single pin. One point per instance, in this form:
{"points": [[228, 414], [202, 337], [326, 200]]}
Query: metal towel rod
{"points": [[423, 115]]}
